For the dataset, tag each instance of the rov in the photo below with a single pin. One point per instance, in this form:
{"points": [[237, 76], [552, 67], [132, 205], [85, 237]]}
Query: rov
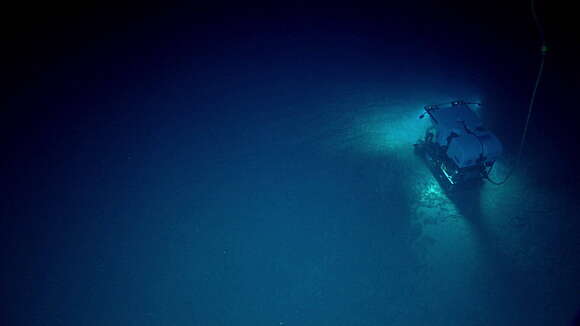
{"points": [[457, 148]]}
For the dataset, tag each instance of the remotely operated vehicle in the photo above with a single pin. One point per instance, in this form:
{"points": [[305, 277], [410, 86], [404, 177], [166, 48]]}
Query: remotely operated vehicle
{"points": [[458, 149]]}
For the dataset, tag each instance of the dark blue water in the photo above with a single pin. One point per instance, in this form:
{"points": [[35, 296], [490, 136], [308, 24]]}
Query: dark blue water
{"points": [[235, 166]]}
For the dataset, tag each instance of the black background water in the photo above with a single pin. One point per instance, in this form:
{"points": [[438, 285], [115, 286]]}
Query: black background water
{"points": [[253, 166]]}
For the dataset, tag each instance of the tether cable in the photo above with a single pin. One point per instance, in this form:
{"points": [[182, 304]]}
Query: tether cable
{"points": [[543, 52]]}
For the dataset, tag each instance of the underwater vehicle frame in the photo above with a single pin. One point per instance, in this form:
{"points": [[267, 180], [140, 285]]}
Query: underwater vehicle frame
{"points": [[458, 149]]}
